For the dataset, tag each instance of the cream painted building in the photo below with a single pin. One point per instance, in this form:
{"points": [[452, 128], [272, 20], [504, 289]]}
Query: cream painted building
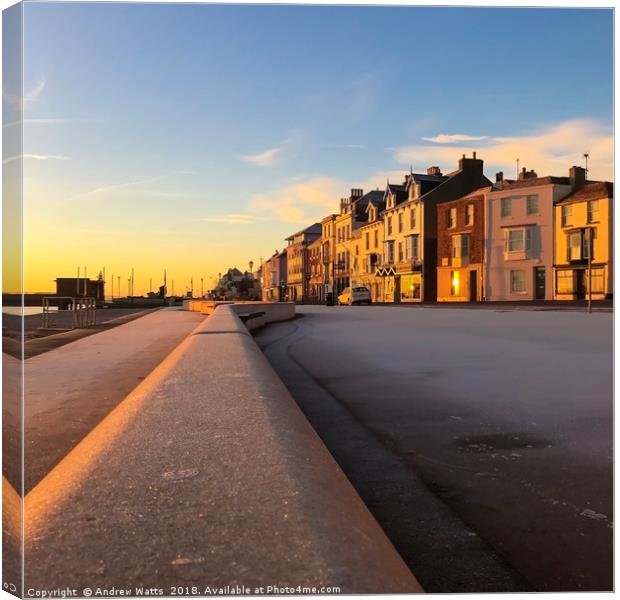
{"points": [[519, 235], [588, 211], [370, 252]]}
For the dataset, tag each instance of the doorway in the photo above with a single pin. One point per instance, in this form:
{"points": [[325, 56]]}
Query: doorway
{"points": [[473, 286], [540, 282]]}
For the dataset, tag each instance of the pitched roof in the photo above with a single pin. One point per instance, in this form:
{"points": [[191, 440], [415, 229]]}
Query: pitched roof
{"points": [[361, 204], [398, 191], [593, 190], [315, 228], [512, 184]]}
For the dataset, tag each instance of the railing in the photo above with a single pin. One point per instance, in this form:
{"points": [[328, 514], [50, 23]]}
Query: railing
{"points": [[84, 310]]}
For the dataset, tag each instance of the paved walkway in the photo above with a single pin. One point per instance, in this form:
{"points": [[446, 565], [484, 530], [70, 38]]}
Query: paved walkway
{"points": [[70, 389]]}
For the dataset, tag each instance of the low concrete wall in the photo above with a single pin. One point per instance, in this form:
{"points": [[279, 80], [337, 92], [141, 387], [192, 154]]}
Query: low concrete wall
{"points": [[274, 311], [208, 474]]}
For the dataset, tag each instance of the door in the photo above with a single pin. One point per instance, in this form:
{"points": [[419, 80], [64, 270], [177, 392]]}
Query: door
{"points": [[397, 289], [580, 284], [539, 282], [473, 286]]}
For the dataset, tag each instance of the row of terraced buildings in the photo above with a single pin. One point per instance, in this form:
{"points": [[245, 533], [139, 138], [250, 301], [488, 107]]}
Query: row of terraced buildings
{"points": [[456, 237]]}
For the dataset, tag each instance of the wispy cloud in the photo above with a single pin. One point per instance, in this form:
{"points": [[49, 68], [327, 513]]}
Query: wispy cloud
{"points": [[233, 219], [29, 97], [352, 101], [454, 138], [50, 121], [300, 202], [138, 181], [263, 159], [35, 157], [549, 151]]}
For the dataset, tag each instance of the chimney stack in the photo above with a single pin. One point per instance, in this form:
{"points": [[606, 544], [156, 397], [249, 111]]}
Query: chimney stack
{"points": [[577, 176], [356, 193], [525, 174], [499, 177], [433, 171]]}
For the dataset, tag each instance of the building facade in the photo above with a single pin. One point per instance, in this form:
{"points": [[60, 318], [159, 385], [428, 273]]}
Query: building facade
{"points": [[297, 262], [371, 245], [584, 220], [328, 253], [409, 265], [460, 248], [519, 235], [316, 287]]}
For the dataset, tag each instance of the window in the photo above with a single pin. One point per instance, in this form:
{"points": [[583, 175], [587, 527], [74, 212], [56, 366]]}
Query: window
{"points": [[400, 252], [469, 215], [376, 238], [413, 247], [567, 214], [389, 225], [367, 240], [515, 240], [598, 281], [586, 245], [454, 283], [565, 282], [388, 252], [452, 218], [400, 222], [506, 207], [532, 205], [517, 282], [412, 218], [460, 246], [593, 214]]}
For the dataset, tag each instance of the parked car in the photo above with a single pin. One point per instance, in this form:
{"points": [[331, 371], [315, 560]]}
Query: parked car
{"points": [[355, 295]]}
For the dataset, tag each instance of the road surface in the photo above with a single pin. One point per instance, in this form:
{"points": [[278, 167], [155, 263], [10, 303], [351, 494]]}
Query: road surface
{"points": [[480, 439]]}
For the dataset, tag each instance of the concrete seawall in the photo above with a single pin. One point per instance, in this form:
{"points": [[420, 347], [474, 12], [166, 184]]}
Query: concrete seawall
{"points": [[207, 474]]}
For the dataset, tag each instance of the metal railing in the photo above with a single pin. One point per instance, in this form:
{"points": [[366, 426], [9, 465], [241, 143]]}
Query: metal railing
{"points": [[83, 309]]}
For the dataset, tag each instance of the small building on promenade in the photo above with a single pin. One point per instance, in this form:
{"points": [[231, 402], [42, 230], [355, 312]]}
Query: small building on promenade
{"points": [[79, 287], [297, 262], [585, 214], [460, 248]]}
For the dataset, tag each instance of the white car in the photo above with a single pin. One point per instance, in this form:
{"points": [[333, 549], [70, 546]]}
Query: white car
{"points": [[355, 295]]}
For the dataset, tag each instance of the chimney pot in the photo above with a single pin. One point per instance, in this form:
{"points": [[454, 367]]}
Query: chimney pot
{"points": [[474, 155], [499, 176], [577, 176]]}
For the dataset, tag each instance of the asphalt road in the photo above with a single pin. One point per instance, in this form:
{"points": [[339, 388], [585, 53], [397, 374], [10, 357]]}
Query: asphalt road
{"points": [[480, 440]]}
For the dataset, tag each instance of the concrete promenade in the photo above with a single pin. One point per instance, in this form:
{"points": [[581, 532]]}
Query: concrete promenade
{"points": [[505, 416], [206, 475], [68, 390]]}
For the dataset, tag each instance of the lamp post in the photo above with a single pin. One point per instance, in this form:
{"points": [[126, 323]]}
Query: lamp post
{"points": [[589, 269]]}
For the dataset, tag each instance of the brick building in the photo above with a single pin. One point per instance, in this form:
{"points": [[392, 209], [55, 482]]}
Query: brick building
{"points": [[460, 249]]}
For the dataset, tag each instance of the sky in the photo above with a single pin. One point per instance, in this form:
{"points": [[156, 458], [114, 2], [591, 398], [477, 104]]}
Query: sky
{"points": [[198, 137]]}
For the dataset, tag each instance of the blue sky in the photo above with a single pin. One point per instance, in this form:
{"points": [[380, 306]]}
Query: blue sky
{"points": [[201, 135]]}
